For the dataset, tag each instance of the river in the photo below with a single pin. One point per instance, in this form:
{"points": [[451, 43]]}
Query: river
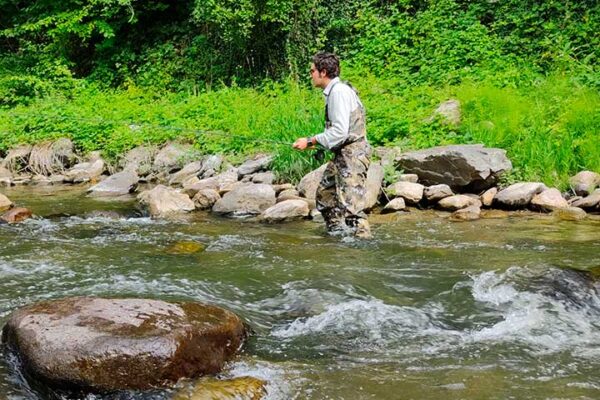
{"points": [[490, 309]]}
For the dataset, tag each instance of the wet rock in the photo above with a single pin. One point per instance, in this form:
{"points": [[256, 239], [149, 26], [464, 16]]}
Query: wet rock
{"points": [[5, 203], [309, 184], [138, 160], [113, 344], [589, 202], [119, 184], [242, 388], [411, 192], [584, 182], [413, 178], [462, 167], [162, 201], [457, 202], [570, 214], [286, 211], [437, 192], [519, 194], [205, 199], [246, 199], [17, 158], [185, 248], [487, 198], [258, 163], [264, 177], [103, 214], [394, 205], [173, 156], [448, 111], [85, 172], [548, 200], [191, 169], [375, 175], [469, 213], [17, 214], [494, 214]]}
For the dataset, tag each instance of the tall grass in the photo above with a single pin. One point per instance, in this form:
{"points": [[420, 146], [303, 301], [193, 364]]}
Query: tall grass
{"points": [[549, 129]]}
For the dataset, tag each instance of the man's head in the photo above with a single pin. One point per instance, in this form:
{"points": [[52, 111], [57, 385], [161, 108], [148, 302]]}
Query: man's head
{"points": [[324, 67]]}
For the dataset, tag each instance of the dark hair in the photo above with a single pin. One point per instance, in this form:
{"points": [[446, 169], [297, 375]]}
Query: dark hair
{"points": [[328, 62]]}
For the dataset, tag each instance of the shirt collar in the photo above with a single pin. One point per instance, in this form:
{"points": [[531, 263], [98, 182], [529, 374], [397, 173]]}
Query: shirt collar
{"points": [[330, 85]]}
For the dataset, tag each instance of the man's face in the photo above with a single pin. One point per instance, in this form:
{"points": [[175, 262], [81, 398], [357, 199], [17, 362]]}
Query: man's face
{"points": [[319, 78]]}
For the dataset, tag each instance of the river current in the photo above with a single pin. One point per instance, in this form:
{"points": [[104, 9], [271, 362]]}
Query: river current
{"points": [[503, 308]]}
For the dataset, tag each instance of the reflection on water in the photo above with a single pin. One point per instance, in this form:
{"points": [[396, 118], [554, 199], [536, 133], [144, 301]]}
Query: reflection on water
{"points": [[429, 308]]}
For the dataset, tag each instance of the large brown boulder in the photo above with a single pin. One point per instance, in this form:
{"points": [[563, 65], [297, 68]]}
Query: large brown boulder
{"points": [[113, 344], [465, 168], [162, 201]]}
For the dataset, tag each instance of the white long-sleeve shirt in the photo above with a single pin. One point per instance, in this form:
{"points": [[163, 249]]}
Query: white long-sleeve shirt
{"points": [[342, 101]]}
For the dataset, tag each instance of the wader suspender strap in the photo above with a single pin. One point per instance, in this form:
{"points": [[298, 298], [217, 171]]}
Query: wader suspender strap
{"points": [[327, 121]]}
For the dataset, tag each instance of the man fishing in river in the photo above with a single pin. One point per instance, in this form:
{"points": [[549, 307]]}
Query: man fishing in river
{"points": [[341, 192]]}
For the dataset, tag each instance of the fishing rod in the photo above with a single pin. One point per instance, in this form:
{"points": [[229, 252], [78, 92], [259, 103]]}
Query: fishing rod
{"points": [[137, 125]]}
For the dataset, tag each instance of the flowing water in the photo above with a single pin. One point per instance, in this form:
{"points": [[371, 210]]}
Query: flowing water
{"points": [[490, 309]]}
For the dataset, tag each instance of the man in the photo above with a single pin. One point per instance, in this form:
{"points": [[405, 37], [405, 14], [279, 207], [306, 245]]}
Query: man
{"points": [[341, 192]]}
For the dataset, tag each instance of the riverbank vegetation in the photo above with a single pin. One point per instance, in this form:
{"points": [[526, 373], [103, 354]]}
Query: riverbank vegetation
{"points": [[232, 76]]}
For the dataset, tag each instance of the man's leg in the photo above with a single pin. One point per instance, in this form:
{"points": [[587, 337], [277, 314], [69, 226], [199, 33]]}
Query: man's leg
{"points": [[328, 201], [352, 176]]}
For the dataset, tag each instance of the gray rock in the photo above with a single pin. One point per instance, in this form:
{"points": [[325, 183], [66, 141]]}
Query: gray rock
{"points": [[205, 199], [437, 192], [162, 201], [5, 203], [411, 192], [191, 188], [287, 194], [285, 211], [309, 184], [589, 202], [98, 344], [211, 165], [119, 184], [519, 194], [487, 198], [413, 178], [584, 182], [264, 177], [548, 200], [85, 172], [375, 175], [139, 160], [462, 167], [189, 170], [246, 199], [173, 156], [258, 163], [457, 202], [394, 205], [449, 111]]}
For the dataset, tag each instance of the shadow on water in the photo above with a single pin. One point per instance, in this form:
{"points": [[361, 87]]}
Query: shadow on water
{"points": [[494, 308]]}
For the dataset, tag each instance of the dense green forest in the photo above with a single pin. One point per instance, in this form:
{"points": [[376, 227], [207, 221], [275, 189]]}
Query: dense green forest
{"points": [[232, 76]]}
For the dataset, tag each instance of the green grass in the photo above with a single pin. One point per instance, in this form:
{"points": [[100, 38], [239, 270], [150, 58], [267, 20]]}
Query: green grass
{"points": [[550, 129]]}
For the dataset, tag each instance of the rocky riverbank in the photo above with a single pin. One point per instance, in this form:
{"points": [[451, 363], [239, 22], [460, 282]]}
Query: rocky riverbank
{"points": [[462, 179]]}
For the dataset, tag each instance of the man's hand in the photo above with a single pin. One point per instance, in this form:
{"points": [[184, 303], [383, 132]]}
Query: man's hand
{"points": [[301, 143]]}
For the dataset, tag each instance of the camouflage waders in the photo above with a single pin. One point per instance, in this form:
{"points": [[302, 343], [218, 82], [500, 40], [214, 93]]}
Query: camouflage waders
{"points": [[341, 192]]}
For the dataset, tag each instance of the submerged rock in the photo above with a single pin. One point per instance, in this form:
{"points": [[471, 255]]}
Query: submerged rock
{"points": [[114, 344], [17, 214], [570, 214], [185, 247], [242, 388]]}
